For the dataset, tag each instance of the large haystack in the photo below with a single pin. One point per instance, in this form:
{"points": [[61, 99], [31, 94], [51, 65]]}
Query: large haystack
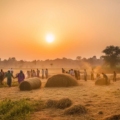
{"points": [[29, 84], [61, 80], [102, 81], [113, 117]]}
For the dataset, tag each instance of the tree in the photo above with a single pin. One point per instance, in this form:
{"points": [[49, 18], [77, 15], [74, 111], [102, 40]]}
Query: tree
{"points": [[78, 58], [112, 55]]}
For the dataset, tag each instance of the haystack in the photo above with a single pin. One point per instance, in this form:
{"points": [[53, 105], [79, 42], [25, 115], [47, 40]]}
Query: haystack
{"points": [[29, 84], [61, 80], [102, 81]]}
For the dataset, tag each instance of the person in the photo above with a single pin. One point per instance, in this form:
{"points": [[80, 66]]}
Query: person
{"points": [[98, 76], [38, 73], [92, 74], [28, 74], [20, 76], [34, 73], [42, 73], [85, 75], [9, 76], [105, 77], [114, 76], [1, 77], [46, 73], [63, 71], [78, 74], [72, 72]]}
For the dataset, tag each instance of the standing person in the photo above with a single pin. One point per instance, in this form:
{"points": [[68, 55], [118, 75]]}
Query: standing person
{"points": [[38, 73], [34, 73], [114, 76], [46, 73], [85, 75], [105, 77], [72, 72], [78, 74], [1, 77], [20, 77], [92, 74], [42, 73], [63, 71], [31, 73], [9, 76]]}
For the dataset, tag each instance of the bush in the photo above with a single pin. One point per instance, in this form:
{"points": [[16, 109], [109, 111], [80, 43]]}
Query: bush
{"points": [[15, 110], [76, 110]]}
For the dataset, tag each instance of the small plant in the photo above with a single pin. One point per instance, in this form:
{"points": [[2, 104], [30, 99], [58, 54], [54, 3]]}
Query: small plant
{"points": [[76, 110], [15, 110]]}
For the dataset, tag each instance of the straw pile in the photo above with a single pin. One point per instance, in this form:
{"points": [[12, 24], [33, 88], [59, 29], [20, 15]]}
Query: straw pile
{"points": [[113, 117], [61, 80], [102, 81], [29, 84]]}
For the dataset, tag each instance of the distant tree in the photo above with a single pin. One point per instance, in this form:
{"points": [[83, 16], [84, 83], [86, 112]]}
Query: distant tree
{"points": [[78, 58], [112, 55], [51, 64]]}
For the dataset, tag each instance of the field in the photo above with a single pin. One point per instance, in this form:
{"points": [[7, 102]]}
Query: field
{"points": [[100, 101]]}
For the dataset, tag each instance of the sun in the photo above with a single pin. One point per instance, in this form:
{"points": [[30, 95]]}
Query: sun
{"points": [[50, 38]]}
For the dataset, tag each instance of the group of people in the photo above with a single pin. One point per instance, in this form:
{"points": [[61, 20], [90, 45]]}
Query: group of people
{"points": [[76, 74], [21, 76], [33, 73]]}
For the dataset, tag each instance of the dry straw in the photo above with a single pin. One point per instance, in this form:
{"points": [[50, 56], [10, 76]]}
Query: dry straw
{"points": [[76, 110], [61, 80], [29, 84], [113, 117], [102, 81], [59, 104]]}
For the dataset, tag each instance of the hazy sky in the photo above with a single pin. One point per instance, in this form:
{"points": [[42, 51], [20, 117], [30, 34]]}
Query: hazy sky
{"points": [[80, 27]]}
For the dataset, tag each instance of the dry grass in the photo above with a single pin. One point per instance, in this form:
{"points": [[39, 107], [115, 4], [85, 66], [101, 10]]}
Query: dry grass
{"points": [[102, 81], [61, 80], [76, 110], [60, 104], [113, 117]]}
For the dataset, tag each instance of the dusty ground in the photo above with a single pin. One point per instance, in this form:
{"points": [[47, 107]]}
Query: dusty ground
{"points": [[94, 98]]}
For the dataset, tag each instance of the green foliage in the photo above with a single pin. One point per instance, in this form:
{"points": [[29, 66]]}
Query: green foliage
{"points": [[112, 55], [15, 110]]}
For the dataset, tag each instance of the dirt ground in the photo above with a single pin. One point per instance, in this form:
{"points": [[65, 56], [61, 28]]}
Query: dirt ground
{"points": [[101, 101]]}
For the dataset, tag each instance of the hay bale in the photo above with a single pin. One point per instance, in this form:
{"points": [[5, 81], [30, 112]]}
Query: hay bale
{"points": [[61, 80], [113, 117], [76, 110], [29, 84], [102, 81]]}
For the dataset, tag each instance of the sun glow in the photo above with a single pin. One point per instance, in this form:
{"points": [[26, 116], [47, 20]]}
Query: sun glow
{"points": [[50, 38]]}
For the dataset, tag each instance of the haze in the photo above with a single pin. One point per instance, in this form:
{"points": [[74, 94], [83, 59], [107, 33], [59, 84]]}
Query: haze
{"points": [[80, 27]]}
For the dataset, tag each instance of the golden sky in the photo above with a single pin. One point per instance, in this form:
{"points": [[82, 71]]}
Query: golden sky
{"points": [[80, 27]]}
